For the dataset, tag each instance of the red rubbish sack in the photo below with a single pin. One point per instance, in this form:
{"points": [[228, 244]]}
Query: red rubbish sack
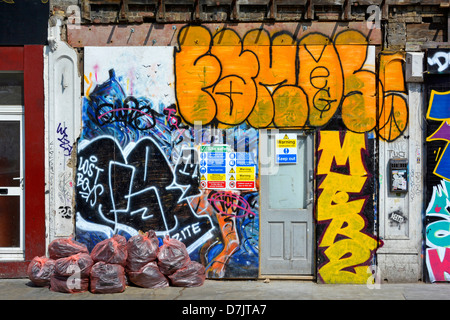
{"points": [[142, 249], [72, 284], [107, 278], [172, 256], [62, 248], [40, 270], [149, 276], [79, 263], [71, 274], [112, 250], [193, 275]]}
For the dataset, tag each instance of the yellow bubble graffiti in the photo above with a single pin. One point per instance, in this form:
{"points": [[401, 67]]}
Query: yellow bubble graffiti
{"points": [[348, 249]]}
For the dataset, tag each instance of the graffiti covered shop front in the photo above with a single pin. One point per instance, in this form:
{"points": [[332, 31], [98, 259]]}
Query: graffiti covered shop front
{"points": [[173, 139]]}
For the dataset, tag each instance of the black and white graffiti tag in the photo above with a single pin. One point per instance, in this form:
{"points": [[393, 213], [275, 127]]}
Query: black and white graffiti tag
{"points": [[124, 191]]}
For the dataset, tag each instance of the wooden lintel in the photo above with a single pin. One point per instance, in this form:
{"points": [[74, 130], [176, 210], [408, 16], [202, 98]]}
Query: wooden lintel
{"points": [[196, 10]]}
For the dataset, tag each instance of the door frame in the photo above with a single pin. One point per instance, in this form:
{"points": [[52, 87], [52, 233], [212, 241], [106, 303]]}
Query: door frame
{"points": [[310, 202], [29, 59], [15, 113]]}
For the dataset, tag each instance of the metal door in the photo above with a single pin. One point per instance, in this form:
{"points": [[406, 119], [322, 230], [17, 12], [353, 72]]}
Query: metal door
{"points": [[11, 183], [286, 207]]}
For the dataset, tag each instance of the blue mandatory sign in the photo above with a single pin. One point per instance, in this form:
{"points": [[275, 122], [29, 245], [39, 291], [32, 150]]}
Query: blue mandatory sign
{"points": [[286, 150], [244, 159], [217, 155], [216, 169], [216, 162], [286, 158], [203, 170]]}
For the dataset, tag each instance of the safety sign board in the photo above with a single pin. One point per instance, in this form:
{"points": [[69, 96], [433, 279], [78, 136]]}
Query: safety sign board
{"points": [[222, 168], [286, 148]]}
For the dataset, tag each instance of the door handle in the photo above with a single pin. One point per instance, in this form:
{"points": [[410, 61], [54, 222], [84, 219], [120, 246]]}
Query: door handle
{"points": [[20, 181], [3, 190]]}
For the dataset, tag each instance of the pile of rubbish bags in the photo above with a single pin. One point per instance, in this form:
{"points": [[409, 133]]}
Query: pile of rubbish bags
{"points": [[114, 263]]}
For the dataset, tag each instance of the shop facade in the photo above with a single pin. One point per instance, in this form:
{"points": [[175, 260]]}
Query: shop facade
{"points": [[270, 148], [22, 100]]}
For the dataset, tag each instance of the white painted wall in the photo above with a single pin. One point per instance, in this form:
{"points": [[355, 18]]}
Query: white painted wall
{"points": [[399, 260], [63, 125]]}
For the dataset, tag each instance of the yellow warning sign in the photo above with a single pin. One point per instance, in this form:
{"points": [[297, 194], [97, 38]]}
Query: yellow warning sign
{"points": [[217, 177], [245, 177], [286, 143], [203, 178], [231, 177], [245, 169], [232, 170]]}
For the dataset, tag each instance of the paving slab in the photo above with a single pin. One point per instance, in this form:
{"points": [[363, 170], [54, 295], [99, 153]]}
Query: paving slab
{"points": [[244, 290]]}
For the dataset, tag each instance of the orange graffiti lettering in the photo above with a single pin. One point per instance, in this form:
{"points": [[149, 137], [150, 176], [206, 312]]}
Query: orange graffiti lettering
{"points": [[274, 80], [393, 115]]}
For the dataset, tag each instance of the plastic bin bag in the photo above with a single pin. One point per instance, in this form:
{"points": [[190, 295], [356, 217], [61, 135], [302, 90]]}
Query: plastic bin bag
{"points": [[62, 248], [107, 278], [40, 270], [149, 276], [79, 264], [142, 249], [172, 256], [112, 250], [72, 284], [193, 275]]}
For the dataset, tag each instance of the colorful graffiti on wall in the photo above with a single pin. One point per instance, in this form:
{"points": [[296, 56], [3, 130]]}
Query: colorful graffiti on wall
{"points": [[138, 170], [137, 152], [344, 212], [274, 80], [438, 211]]}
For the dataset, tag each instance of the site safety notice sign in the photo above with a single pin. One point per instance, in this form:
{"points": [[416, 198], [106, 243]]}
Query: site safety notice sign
{"points": [[286, 148], [223, 168]]}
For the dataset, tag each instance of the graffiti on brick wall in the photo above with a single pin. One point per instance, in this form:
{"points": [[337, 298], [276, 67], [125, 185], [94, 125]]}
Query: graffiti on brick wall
{"points": [[275, 80], [137, 166], [393, 104], [438, 210], [346, 243], [141, 106], [439, 110], [137, 190], [437, 233], [438, 61]]}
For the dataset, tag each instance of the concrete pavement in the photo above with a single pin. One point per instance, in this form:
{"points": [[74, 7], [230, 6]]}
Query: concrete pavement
{"points": [[243, 290], [238, 299]]}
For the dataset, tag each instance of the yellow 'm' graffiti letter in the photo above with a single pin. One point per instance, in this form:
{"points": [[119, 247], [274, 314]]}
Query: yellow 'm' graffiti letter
{"points": [[347, 247]]}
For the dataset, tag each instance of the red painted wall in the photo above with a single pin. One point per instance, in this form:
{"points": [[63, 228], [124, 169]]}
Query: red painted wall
{"points": [[30, 60]]}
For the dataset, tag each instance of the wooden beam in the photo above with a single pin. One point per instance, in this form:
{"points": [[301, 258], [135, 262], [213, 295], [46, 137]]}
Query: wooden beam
{"points": [[111, 35], [234, 10], [348, 9], [196, 10], [384, 10], [309, 9], [272, 8], [161, 11], [123, 10]]}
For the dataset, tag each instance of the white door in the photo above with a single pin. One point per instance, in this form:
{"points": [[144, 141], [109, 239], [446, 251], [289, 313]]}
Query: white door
{"points": [[286, 208], [11, 168]]}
